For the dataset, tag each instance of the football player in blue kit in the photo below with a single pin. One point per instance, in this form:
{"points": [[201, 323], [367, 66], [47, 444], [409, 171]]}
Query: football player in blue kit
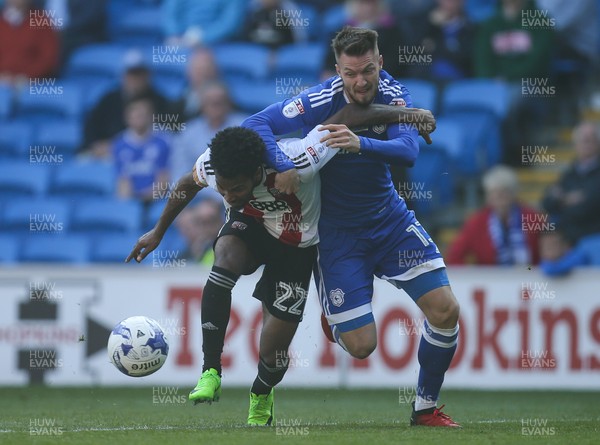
{"points": [[365, 227]]}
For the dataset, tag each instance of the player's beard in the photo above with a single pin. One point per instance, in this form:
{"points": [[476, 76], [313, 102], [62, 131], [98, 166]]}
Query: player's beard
{"points": [[363, 99]]}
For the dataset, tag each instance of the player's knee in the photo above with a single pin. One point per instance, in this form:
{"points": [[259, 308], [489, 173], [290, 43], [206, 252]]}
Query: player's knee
{"points": [[361, 347], [362, 351], [232, 254], [446, 316]]}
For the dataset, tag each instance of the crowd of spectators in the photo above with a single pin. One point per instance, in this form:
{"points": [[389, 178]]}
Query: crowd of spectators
{"points": [[461, 38]]}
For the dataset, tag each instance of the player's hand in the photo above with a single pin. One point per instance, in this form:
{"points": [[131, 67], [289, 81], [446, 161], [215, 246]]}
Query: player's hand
{"points": [[287, 182], [145, 244], [340, 136], [424, 121]]}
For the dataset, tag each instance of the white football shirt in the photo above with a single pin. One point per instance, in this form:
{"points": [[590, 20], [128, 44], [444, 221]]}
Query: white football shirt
{"points": [[292, 219]]}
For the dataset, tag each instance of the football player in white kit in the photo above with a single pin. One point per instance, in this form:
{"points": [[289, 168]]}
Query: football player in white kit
{"points": [[263, 227]]}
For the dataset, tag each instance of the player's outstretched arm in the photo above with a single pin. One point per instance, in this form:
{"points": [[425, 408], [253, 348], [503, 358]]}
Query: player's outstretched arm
{"points": [[353, 115], [184, 192]]}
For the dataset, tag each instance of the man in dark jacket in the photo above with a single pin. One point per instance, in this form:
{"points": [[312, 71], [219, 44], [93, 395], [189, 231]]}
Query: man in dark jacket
{"points": [[575, 201]]}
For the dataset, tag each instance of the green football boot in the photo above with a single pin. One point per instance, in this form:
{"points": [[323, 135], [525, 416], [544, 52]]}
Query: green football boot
{"points": [[208, 389], [262, 410]]}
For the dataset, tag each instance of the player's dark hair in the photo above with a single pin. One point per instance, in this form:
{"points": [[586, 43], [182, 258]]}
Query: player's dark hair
{"points": [[354, 41], [236, 151]]}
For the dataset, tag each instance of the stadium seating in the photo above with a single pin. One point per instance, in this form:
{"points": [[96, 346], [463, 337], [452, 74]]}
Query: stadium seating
{"points": [[479, 106], [96, 63], [55, 249], [479, 95], [36, 216], [303, 62], [252, 97], [113, 248], [104, 216], [332, 20], [15, 140], [430, 185], [84, 179], [65, 137], [60, 100], [23, 180], [5, 102], [141, 27], [9, 253], [450, 137], [242, 61], [423, 93]]}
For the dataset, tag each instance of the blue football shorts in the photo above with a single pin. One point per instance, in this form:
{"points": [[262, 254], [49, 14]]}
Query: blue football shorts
{"points": [[397, 249]]}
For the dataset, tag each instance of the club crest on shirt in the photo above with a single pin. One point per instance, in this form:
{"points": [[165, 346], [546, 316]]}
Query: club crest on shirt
{"points": [[293, 109], [398, 101], [379, 129], [337, 297]]}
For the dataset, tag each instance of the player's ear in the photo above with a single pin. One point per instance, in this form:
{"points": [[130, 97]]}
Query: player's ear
{"points": [[380, 61], [337, 70]]}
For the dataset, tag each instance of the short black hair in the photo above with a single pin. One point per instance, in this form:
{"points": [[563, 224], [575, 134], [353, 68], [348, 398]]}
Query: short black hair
{"points": [[354, 41], [236, 151]]}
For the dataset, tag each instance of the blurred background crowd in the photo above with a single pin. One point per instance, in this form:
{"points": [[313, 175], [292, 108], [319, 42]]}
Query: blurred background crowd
{"points": [[104, 104]]}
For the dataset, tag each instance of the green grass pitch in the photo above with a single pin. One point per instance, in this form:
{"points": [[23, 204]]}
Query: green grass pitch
{"points": [[148, 416]]}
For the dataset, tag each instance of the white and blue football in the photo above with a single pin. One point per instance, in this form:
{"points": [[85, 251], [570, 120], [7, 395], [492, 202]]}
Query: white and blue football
{"points": [[137, 346]]}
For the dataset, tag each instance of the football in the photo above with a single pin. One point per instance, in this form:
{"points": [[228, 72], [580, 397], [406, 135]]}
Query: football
{"points": [[137, 346]]}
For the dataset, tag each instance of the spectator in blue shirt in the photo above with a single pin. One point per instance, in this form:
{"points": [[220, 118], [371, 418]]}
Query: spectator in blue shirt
{"points": [[141, 156]]}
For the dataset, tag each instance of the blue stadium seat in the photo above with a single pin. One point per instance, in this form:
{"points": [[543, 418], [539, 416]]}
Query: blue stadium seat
{"points": [[55, 249], [36, 216], [153, 214], [143, 26], [431, 184], [105, 216], [21, 179], [113, 248], [450, 137], [101, 62], [480, 106], [15, 140], [422, 92], [300, 61], [61, 101], [6, 97], [482, 146], [333, 20], [64, 136], [252, 97], [232, 61], [480, 95], [84, 179], [9, 252]]}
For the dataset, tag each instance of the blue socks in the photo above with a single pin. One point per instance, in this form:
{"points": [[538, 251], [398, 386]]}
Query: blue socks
{"points": [[436, 350]]}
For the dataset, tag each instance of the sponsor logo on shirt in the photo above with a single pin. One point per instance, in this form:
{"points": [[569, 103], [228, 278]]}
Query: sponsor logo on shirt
{"points": [[293, 109], [398, 101], [311, 151], [239, 225]]}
